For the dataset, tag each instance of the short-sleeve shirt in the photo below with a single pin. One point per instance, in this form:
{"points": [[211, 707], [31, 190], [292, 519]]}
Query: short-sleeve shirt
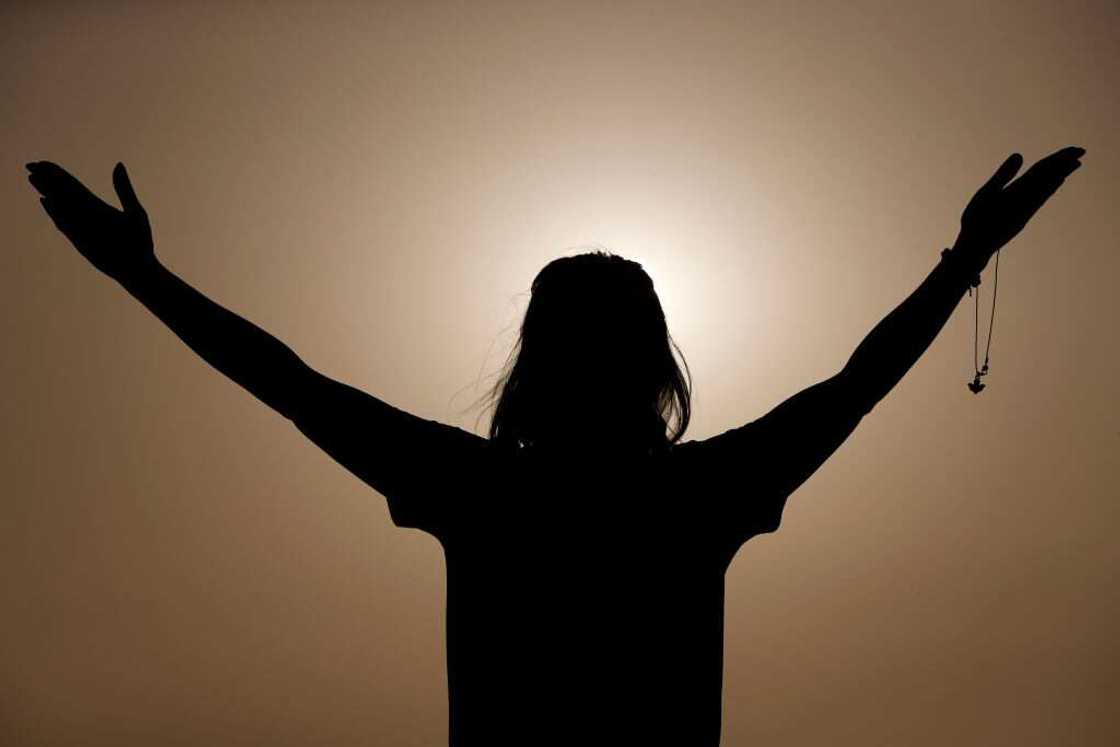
{"points": [[585, 596]]}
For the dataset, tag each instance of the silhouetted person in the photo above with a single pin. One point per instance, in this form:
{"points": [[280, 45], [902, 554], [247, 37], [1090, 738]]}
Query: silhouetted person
{"points": [[585, 544]]}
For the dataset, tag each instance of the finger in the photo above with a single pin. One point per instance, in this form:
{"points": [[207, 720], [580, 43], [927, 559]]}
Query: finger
{"points": [[1061, 159], [1073, 151], [50, 172], [57, 216], [1034, 202], [1035, 193], [125, 192], [53, 180], [1004, 173], [1059, 163]]}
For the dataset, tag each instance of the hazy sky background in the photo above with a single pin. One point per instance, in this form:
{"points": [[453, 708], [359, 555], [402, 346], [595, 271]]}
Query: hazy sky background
{"points": [[377, 184]]}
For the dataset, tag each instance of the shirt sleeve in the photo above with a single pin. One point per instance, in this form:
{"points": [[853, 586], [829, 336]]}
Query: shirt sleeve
{"points": [[425, 469], [432, 482], [740, 479], [725, 482]]}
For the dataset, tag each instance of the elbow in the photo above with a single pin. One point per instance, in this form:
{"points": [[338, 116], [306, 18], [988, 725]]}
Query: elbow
{"points": [[859, 390], [295, 391]]}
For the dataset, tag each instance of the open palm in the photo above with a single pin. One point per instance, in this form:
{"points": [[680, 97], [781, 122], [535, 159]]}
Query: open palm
{"points": [[114, 241], [999, 211]]}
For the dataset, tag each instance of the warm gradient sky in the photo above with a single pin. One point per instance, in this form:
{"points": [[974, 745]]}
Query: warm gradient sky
{"points": [[376, 184]]}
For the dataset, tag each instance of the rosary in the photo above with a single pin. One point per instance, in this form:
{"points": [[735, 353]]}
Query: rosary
{"points": [[975, 385]]}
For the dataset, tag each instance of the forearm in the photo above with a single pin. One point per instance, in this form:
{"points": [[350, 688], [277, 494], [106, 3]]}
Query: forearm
{"points": [[896, 342], [259, 362]]}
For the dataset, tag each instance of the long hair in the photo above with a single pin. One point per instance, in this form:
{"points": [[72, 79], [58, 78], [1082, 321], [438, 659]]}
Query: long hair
{"points": [[593, 341]]}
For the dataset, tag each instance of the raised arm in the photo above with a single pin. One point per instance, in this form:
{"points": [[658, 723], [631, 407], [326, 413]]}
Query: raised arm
{"points": [[119, 243], [769, 458], [382, 445], [995, 215]]}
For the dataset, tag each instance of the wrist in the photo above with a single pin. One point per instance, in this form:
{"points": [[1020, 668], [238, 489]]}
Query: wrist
{"points": [[972, 247], [966, 260], [137, 273]]}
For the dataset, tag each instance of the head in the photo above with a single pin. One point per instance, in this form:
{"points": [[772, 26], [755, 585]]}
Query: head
{"points": [[594, 362]]}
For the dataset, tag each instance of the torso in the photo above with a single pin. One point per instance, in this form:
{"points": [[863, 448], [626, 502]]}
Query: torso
{"points": [[584, 606]]}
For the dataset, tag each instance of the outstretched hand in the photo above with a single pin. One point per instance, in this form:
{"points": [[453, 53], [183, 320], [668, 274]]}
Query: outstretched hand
{"points": [[116, 242], [999, 211]]}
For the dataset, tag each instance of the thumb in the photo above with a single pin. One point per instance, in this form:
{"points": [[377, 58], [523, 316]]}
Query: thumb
{"points": [[1003, 174], [125, 192]]}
